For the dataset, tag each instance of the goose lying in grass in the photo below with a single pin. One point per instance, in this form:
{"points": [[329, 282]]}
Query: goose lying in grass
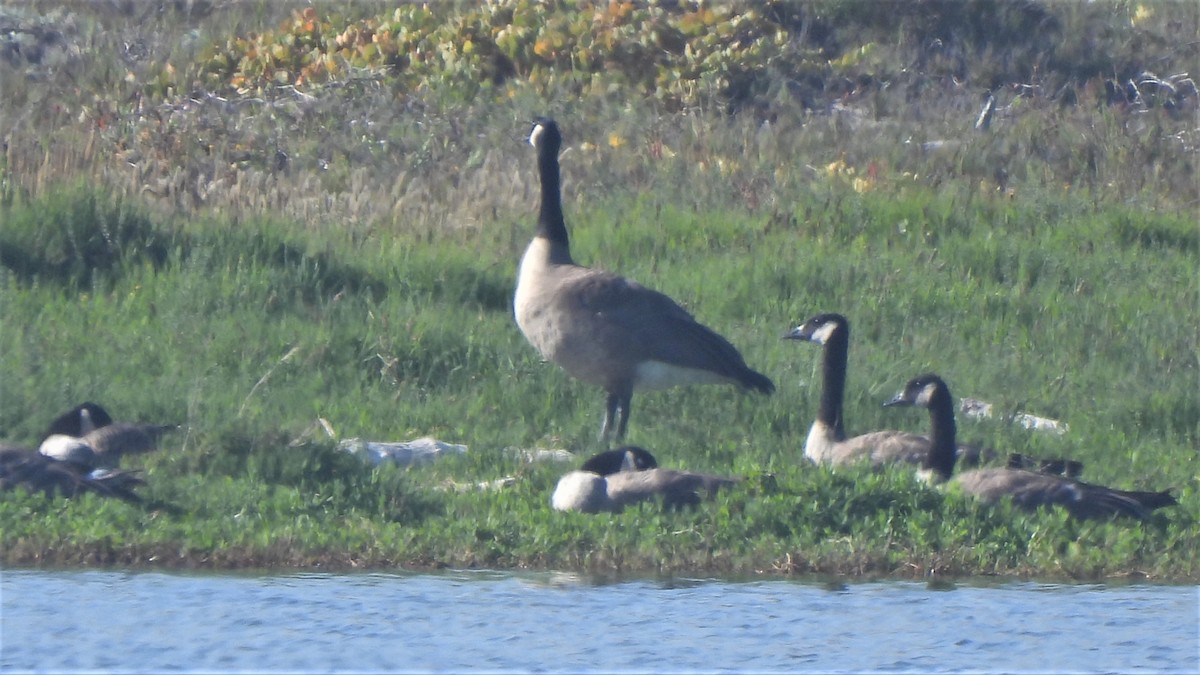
{"points": [[79, 453], [72, 475], [1027, 489], [827, 441], [615, 478], [91, 424]]}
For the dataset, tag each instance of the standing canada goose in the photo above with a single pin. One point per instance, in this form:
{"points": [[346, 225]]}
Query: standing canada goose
{"points": [[602, 328], [827, 442], [90, 424], [613, 479], [1027, 489]]}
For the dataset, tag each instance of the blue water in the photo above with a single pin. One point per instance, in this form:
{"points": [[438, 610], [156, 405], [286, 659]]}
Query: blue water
{"points": [[491, 621]]}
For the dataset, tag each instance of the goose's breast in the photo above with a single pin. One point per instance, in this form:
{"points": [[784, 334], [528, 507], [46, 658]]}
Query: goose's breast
{"points": [[820, 443]]}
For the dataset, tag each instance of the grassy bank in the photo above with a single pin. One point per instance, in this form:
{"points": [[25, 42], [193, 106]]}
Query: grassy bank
{"points": [[248, 337], [367, 281]]}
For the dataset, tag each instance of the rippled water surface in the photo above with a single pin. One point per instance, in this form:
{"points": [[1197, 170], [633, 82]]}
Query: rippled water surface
{"points": [[152, 622]]}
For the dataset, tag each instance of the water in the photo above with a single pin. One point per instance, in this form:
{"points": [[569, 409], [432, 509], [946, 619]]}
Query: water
{"points": [[490, 621]]}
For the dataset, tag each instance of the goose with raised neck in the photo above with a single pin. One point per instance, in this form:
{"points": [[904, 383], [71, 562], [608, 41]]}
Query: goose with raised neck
{"points": [[604, 329], [1027, 489], [827, 441]]}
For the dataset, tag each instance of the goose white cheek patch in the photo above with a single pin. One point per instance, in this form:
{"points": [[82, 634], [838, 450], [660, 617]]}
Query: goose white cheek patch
{"points": [[822, 334], [536, 134]]}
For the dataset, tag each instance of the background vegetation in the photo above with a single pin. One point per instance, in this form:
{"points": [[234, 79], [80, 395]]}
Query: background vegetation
{"points": [[245, 217]]}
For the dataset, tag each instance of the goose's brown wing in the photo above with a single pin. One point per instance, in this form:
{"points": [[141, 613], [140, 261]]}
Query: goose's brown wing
{"points": [[115, 440], [1032, 490], [636, 324]]}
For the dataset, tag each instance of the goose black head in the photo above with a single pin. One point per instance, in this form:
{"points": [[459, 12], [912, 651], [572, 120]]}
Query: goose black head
{"points": [[921, 392], [819, 329], [80, 420], [930, 392], [628, 458], [544, 136]]}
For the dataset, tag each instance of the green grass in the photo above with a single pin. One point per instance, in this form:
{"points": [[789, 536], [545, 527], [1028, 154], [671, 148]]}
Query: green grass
{"points": [[247, 335], [155, 259]]}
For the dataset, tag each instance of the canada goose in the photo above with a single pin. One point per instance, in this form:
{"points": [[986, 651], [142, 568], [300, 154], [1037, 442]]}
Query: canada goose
{"points": [[90, 424], [38, 472], [629, 475], [827, 442], [602, 328], [586, 490], [1027, 489]]}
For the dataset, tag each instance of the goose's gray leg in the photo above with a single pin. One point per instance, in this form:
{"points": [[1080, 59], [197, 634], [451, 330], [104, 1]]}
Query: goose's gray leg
{"points": [[610, 411], [616, 415], [626, 403]]}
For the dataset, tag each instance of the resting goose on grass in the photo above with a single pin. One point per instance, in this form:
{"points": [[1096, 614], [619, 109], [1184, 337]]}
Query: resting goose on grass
{"points": [[90, 424], [827, 442], [1027, 489], [616, 478], [74, 474]]}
